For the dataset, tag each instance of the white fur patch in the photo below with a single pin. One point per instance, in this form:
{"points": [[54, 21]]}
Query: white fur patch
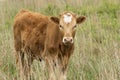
{"points": [[67, 18]]}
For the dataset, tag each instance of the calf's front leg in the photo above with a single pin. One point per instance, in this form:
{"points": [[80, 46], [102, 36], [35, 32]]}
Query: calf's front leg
{"points": [[50, 65], [63, 62]]}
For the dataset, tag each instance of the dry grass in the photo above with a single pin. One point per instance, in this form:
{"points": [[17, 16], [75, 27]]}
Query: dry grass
{"points": [[97, 52]]}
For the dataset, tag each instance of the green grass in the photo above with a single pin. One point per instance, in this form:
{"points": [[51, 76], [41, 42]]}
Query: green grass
{"points": [[97, 52]]}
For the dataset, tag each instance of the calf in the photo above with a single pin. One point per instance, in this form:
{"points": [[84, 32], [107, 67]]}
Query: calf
{"points": [[45, 38]]}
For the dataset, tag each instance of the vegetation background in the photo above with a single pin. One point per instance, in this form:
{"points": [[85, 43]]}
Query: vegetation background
{"points": [[97, 52]]}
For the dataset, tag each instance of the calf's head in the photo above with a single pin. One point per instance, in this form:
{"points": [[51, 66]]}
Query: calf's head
{"points": [[67, 22]]}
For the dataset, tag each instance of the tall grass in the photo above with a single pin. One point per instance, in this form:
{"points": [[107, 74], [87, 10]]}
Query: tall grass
{"points": [[97, 52]]}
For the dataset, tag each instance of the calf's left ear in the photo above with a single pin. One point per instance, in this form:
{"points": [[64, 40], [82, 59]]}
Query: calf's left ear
{"points": [[55, 19], [80, 19]]}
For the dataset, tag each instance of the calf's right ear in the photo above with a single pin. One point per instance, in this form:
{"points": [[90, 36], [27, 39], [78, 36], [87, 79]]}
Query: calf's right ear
{"points": [[80, 19], [55, 19]]}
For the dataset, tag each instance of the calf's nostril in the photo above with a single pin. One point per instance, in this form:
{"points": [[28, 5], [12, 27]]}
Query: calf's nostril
{"points": [[71, 40], [65, 39]]}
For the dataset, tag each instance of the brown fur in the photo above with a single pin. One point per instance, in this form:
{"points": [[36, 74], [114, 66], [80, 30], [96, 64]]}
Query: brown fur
{"points": [[39, 37]]}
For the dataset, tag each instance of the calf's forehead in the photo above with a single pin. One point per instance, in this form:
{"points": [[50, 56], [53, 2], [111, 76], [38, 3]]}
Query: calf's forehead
{"points": [[67, 18]]}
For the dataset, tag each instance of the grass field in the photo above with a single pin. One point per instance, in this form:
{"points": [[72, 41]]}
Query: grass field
{"points": [[97, 52]]}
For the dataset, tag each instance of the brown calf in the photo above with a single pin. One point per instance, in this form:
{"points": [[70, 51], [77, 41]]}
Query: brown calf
{"points": [[48, 38]]}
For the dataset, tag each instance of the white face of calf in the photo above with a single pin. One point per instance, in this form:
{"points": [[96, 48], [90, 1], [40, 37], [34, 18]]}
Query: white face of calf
{"points": [[67, 25]]}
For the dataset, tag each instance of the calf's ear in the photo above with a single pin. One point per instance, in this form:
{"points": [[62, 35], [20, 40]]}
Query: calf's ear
{"points": [[80, 19], [55, 19]]}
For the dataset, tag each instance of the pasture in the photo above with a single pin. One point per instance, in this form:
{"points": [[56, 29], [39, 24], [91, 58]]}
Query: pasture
{"points": [[97, 42]]}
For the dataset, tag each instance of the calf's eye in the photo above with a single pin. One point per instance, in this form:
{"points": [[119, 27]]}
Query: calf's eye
{"points": [[61, 27], [74, 27]]}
